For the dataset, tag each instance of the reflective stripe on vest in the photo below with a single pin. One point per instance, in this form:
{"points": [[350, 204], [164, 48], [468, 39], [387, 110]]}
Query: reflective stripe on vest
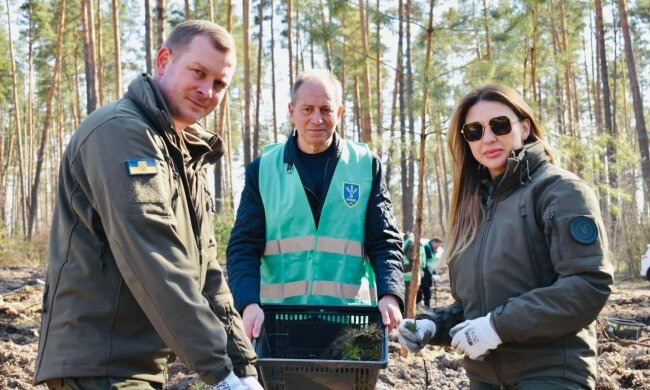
{"points": [[319, 287], [305, 265], [324, 244]]}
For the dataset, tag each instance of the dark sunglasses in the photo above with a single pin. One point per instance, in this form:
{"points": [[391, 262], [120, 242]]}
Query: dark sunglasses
{"points": [[500, 125]]}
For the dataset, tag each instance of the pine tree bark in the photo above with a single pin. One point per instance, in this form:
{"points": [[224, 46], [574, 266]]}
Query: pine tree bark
{"points": [[365, 104], [380, 127], [637, 100], [17, 123], [604, 78], [147, 37], [89, 54], [116, 47], [402, 124], [247, 83], [100, 55], [160, 23], [290, 43], [33, 204], [408, 196], [415, 281], [273, 92], [258, 94], [486, 27]]}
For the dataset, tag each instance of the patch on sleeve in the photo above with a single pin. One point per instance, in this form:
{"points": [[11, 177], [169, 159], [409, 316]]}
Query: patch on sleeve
{"points": [[583, 230], [141, 167], [145, 184]]}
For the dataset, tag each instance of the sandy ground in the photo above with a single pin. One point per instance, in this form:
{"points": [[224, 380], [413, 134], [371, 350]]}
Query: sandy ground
{"points": [[623, 364]]}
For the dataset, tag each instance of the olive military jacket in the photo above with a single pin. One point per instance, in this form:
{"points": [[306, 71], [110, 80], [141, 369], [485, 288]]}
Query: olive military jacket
{"points": [[539, 265], [133, 276]]}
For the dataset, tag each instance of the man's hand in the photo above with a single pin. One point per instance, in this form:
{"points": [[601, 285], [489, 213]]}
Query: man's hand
{"points": [[253, 318], [415, 334], [475, 337], [389, 309]]}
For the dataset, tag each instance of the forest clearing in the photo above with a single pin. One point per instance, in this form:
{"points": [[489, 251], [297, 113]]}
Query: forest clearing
{"points": [[583, 67], [622, 363]]}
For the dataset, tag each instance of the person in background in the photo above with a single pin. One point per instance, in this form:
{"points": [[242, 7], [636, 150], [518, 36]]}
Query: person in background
{"points": [[133, 277], [408, 246], [432, 253], [315, 223], [527, 255]]}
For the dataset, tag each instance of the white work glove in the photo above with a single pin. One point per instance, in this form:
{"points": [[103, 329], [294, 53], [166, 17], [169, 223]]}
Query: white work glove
{"points": [[414, 335], [475, 337], [232, 382], [252, 383]]}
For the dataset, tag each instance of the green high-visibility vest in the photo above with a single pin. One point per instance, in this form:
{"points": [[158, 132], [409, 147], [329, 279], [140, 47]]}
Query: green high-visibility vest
{"points": [[303, 264]]}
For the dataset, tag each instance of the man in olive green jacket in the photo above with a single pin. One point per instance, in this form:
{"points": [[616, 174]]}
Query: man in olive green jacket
{"points": [[133, 277]]}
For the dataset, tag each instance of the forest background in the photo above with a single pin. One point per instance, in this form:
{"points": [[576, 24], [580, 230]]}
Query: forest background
{"points": [[582, 66]]}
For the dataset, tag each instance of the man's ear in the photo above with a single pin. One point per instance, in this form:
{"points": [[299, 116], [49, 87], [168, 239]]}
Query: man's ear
{"points": [[291, 108], [339, 112], [163, 58]]}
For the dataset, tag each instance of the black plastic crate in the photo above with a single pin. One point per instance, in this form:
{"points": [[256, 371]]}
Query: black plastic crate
{"points": [[625, 329], [293, 342]]}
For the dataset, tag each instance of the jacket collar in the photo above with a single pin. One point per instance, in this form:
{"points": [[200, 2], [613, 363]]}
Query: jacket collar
{"points": [[201, 144], [522, 163]]}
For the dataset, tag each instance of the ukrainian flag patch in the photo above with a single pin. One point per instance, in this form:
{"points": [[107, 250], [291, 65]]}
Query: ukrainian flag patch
{"points": [[141, 167]]}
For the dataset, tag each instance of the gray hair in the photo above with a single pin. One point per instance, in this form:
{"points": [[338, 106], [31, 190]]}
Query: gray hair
{"points": [[324, 77]]}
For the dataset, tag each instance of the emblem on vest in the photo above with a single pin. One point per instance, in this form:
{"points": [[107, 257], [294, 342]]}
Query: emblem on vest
{"points": [[351, 194]]}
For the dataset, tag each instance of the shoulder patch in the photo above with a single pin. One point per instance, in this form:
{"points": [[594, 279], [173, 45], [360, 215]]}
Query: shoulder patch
{"points": [[583, 230], [141, 166]]}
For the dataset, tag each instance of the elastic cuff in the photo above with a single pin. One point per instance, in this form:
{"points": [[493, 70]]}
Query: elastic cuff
{"points": [[248, 370]]}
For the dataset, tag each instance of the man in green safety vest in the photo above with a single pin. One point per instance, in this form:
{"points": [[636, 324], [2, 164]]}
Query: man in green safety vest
{"points": [[315, 223]]}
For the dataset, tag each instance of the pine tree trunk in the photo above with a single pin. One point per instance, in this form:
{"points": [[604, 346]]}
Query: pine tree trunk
{"points": [[365, 104], [380, 127], [328, 44], [486, 27], [33, 204], [273, 92], [100, 55], [160, 23], [17, 121], [415, 281], [247, 83], [147, 37], [188, 13], [408, 202], [89, 54], [290, 43], [611, 145], [258, 96], [116, 47], [637, 101]]}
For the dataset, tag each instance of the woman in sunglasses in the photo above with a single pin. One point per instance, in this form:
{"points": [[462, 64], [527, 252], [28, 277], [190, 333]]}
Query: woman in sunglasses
{"points": [[527, 255]]}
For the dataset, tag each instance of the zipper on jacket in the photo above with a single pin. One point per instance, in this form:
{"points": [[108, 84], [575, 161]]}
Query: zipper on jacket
{"points": [[478, 282], [102, 245], [551, 221], [531, 251], [44, 304]]}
